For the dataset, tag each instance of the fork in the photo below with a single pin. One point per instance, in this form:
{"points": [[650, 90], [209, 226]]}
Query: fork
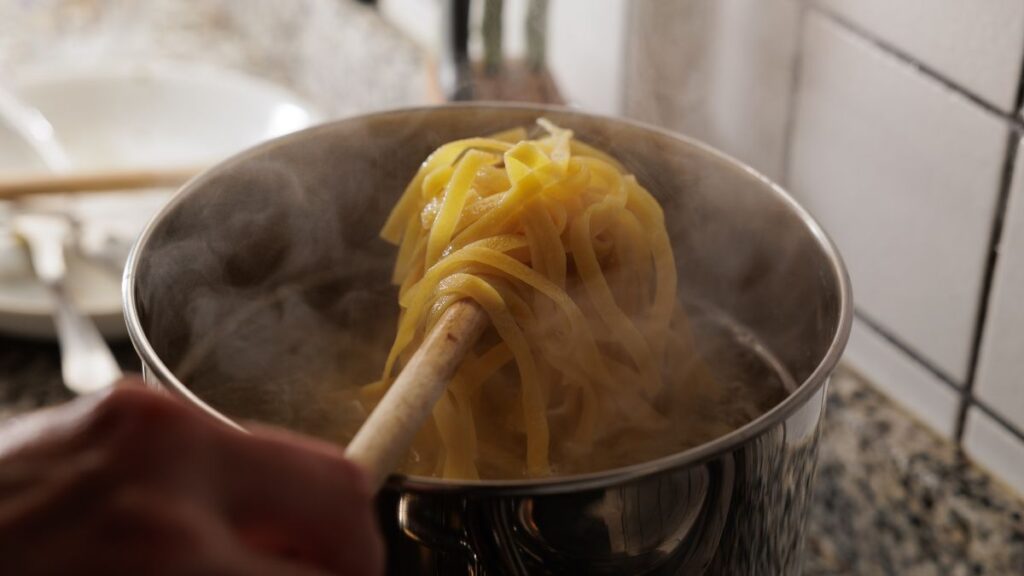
{"points": [[86, 362]]}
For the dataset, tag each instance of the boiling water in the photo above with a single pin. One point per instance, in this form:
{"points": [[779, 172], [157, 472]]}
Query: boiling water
{"points": [[748, 380], [313, 387], [752, 378]]}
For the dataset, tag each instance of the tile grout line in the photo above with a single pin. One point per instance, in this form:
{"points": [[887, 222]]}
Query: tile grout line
{"points": [[998, 223], [923, 69], [794, 97], [967, 398], [914, 355], [991, 260], [995, 416]]}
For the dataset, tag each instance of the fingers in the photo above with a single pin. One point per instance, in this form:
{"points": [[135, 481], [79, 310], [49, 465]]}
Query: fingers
{"points": [[180, 538], [246, 562], [149, 533], [271, 501], [130, 381], [300, 496], [45, 426], [48, 426]]}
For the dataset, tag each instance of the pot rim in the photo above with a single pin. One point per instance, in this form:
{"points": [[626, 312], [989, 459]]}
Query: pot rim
{"points": [[558, 484]]}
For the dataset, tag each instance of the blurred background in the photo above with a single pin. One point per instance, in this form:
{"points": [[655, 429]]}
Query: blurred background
{"points": [[896, 123]]}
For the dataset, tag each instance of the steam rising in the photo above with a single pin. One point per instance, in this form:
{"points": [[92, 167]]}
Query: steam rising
{"points": [[266, 289]]}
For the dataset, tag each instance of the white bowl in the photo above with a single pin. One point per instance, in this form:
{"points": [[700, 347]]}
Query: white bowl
{"points": [[139, 117], [161, 116]]}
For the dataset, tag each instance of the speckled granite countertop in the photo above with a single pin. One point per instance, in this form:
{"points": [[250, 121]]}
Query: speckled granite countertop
{"points": [[891, 497]]}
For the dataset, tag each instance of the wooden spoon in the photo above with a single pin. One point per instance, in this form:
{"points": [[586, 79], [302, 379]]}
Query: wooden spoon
{"points": [[30, 185], [385, 437]]}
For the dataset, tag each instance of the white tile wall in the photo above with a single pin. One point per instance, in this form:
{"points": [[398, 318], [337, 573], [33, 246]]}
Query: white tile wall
{"points": [[904, 174], [718, 70], [991, 445], [586, 52], [586, 43], [919, 391], [976, 44], [1000, 380], [419, 19]]}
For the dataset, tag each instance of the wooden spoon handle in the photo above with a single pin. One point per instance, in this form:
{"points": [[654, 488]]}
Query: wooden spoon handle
{"points": [[29, 185], [385, 437]]}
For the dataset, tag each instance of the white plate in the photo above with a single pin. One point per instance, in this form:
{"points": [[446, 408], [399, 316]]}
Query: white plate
{"points": [[27, 142], [160, 115], [152, 116], [25, 305]]}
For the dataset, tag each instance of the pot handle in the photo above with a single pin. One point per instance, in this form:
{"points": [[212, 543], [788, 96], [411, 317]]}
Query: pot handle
{"points": [[439, 525]]}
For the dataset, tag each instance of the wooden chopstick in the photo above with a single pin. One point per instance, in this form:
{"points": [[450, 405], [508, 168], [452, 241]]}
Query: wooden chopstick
{"points": [[78, 182], [385, 437]]}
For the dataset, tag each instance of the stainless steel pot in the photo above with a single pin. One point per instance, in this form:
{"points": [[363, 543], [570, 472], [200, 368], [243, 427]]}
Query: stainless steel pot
{"points": [[242, 295]]}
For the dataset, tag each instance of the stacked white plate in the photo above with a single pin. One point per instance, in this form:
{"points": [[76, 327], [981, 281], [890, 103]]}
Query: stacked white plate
{"points": [[148, 117]]}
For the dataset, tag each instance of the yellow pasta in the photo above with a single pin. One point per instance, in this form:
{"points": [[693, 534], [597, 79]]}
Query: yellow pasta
{"points": [[569, 256]]}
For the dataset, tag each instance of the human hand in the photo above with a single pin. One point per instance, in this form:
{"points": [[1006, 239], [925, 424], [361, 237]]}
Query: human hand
{"points": [[133, 482]]}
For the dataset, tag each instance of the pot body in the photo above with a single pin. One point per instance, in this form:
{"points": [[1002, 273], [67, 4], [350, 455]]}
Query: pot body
{"points": [[741, 512], [264, 279]]}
